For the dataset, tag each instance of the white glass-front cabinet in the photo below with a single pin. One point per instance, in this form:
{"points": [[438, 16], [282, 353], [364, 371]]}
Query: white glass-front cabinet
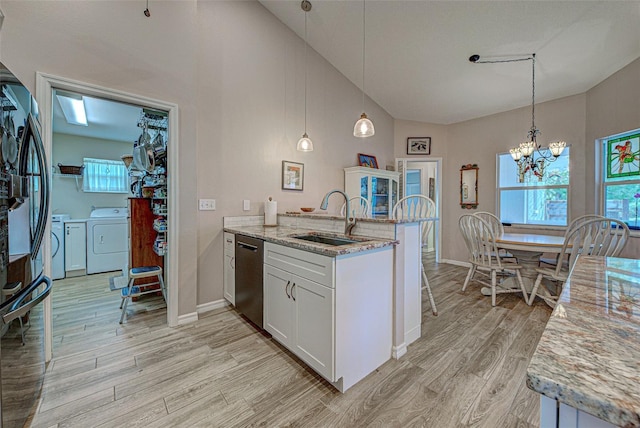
{"points": [[378, 186]]}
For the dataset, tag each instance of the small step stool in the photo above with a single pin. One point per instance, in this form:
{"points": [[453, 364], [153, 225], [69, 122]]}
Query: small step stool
{"points": [[129, 291]]}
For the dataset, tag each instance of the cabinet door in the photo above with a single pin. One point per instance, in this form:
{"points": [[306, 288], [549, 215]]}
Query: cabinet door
{"points": [[314, 325], [230, 278], [75, 248], [278, 304], [380, 197]]}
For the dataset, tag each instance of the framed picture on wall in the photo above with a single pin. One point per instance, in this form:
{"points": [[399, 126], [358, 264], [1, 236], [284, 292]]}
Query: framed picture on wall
{"points": [[419, 145], [367, 160], [292, 175]]}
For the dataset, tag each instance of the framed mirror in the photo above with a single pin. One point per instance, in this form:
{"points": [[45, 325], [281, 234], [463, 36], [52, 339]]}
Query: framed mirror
{"points": [[469, 186]]}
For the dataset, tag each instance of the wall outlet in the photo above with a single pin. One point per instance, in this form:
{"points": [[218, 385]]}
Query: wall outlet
{"points": [[207, 204], [246, 205]]}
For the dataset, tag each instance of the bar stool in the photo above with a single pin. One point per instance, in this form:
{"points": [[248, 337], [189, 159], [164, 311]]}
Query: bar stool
{"points": [[130, 291], [9, 290]]}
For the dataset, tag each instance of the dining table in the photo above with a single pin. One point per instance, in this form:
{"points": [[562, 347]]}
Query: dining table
{"points": [[527, 249]]}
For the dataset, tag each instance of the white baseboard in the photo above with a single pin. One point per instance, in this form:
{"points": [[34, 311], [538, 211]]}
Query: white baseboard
{"points": [[187, 318], [200, 309], [216, 304], [398, 351], [412, 335], [456, 262]]}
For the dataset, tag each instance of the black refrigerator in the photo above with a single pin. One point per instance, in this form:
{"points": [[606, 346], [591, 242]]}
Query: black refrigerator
{"points": [[24, 206]]}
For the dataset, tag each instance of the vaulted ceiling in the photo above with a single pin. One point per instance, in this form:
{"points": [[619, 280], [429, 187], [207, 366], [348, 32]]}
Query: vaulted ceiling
{"points": [[417, 52]]}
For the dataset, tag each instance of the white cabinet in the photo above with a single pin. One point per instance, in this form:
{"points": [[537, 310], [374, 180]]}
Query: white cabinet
{"points": [[335, 314], [299, 314], [229, 270], [378, 186], [556, 414], [75, 248]]}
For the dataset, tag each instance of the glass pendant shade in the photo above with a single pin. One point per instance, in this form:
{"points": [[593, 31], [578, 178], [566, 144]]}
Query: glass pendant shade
{"points": [[363, 127], [305, 144], [516, 154], [557, 147], [527, 148]]}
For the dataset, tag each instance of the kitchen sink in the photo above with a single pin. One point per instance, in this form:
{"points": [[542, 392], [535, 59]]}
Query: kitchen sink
{"points": [[328, 240]]}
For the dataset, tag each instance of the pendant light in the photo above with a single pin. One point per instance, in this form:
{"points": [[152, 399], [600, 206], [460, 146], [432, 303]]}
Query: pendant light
{"points": [[305, 144], [363, 127]]}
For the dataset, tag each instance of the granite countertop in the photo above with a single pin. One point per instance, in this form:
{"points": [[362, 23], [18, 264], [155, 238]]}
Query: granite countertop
{"points": [[282, 235], [322, 215], [589, 354]]}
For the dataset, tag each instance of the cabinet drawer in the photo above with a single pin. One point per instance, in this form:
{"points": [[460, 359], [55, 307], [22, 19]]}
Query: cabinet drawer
{"points": [[229, 243], [305, 264]]}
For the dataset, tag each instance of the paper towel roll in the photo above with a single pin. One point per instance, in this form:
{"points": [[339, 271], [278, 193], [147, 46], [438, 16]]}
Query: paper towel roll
{"points": [[270, 213]]}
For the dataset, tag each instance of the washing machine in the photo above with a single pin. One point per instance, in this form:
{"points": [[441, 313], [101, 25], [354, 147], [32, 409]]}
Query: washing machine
{"points": [[57, 245], [107, 240]]}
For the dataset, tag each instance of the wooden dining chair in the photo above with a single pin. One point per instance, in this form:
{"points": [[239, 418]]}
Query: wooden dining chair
{"points": [[417, 207], [497, 228], [596, 237], [480, 241], [360, 207], [553, 261]]}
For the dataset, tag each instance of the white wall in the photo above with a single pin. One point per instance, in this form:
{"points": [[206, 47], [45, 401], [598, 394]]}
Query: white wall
{"points": [[70, 150], [237, 74], [112, 44], [251, 115], [611, 107]]}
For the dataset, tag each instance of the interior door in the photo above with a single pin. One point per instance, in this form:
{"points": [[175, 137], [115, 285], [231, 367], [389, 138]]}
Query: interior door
{"points": [[423, 176]]}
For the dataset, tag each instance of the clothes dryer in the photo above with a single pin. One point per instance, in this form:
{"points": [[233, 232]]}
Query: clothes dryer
{"points": [[107, 240]]}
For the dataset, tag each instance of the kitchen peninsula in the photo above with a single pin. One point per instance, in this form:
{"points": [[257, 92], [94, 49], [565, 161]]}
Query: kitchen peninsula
{"points": [[587, 364], [397, 239]]}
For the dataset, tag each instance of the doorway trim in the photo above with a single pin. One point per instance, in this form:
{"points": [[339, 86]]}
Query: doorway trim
{"points": [[438, 201], [45, 84]]}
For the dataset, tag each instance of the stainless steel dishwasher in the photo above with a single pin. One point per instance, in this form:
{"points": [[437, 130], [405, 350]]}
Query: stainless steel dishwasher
{"points": [[249, 266]]}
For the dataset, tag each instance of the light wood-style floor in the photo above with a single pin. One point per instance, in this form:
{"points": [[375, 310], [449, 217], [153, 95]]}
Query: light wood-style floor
{"points": [[467, 369]]}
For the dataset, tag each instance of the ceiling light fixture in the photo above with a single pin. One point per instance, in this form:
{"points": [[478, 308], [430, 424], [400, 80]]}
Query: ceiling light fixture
{"points": [[528, 155], [363, 127], [305, 144], [73, 108]]}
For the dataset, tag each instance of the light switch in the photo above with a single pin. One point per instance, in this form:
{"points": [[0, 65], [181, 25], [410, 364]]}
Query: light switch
{"points": [[246, 205], [207, 204]]}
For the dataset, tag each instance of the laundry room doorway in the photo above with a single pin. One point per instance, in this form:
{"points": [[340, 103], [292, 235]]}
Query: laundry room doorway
{"points": [[113, 174]]}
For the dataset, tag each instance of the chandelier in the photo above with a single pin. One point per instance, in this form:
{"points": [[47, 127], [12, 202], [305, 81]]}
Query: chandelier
{"points": [[528, 156]]}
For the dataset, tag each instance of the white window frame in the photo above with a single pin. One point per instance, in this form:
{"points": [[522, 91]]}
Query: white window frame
{"points": [[533, 187]]}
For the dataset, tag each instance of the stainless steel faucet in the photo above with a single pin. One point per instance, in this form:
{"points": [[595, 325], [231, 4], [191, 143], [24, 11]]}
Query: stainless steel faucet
{"points": [[349, 222]]}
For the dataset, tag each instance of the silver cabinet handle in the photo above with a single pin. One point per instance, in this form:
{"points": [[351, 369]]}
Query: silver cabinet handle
{"points": [[286, 289], [292, 296], [232, 261]]}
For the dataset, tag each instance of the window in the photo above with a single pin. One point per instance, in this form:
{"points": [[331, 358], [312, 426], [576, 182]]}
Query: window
{"points": [[542, 202], [413, 182], [105, 176], [621, 177]]}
